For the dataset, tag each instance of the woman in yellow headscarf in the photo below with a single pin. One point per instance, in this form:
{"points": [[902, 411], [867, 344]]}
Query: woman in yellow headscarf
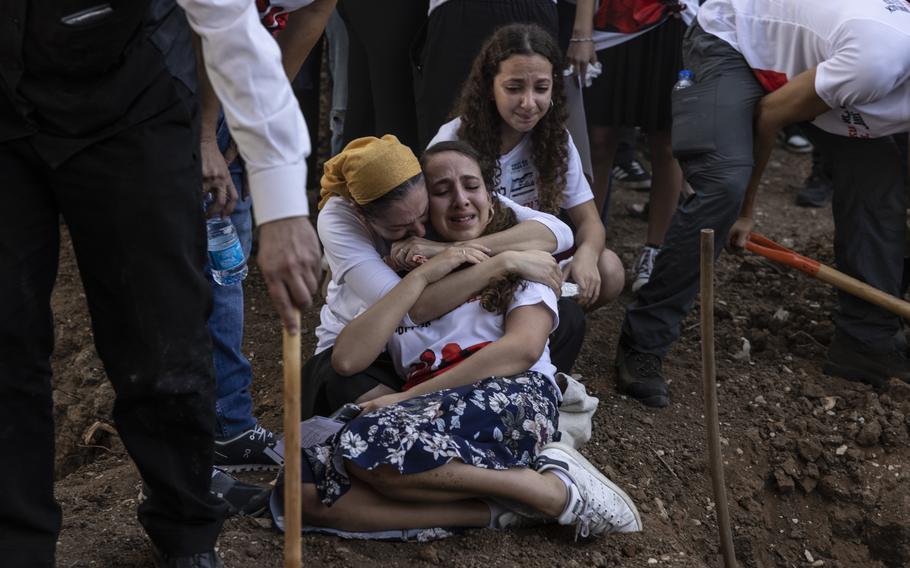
{"points": [[373, 193]]}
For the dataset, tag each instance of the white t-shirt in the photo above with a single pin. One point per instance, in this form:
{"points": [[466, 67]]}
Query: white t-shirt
{"points": [[860, 47], [360, 277], [418, 351], [519, 174]]}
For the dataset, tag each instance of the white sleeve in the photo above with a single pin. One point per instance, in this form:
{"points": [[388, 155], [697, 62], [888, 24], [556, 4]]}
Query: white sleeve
{"points": [[562, 232], [244, 67], [536, 293], [446, 132], [578, 190], [864, 68], [351, 253]]}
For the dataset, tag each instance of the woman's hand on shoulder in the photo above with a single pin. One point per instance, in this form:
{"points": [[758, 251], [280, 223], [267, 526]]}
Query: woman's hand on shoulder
{"points": [[535, 265], [411, 252], [442, 264]]}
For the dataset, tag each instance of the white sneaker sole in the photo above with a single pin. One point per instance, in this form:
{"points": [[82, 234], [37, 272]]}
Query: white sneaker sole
{"points": [[574, 454]]}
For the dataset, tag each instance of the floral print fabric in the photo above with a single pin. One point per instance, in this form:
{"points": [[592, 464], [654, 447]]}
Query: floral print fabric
{"points": [[496, 423]]}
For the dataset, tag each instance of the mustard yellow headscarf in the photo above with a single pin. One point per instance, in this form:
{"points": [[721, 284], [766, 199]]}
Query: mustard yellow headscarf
{"points": [[367, 169]]}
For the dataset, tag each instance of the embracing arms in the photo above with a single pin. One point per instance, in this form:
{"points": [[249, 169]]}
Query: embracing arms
{"points": [[366, 336]]}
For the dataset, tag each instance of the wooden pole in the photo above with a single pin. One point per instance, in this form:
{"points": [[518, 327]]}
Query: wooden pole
{"points": [[292, 499], [715, 458]]}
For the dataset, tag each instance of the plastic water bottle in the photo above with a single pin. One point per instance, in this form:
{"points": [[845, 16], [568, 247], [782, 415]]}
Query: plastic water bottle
{"points": [[685, 80], [228, 263]]}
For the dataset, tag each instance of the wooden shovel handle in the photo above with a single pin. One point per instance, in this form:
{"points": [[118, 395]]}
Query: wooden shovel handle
{"points": [[293, 556], [767, 248]]}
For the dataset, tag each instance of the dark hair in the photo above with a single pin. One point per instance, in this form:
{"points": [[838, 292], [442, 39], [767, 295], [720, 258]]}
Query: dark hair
{"points": [[375, 209], [499, 292], [481, 124], [466, 150]]}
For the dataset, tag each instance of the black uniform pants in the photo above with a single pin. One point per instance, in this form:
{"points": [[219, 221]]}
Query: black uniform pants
{"points": [[712, 137], [132, 205]]}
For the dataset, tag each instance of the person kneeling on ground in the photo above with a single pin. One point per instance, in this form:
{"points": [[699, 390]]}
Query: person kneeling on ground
{"points": [[476, 426]]}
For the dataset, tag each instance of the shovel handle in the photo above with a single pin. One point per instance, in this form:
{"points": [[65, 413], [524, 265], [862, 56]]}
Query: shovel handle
{"points": [[767, 248], [293, 555]]}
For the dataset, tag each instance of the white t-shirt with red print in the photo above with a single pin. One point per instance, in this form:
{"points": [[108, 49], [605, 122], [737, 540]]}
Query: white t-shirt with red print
{"points": [[861, 49], [518, 181], [424, 351]]}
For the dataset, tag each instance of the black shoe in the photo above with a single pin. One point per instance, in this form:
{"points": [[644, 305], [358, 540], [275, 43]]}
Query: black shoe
{"points": [[253, 450], [246, 499], [632, 175], [639, 376], [200, 560], [816, 193], [849, 360]]}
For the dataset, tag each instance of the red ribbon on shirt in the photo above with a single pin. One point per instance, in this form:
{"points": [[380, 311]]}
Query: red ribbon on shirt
{"points": [[452, 355]]}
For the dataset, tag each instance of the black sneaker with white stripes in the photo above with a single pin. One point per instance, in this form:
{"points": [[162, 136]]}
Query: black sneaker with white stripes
{"points": [[253, 450], [632, 175]]}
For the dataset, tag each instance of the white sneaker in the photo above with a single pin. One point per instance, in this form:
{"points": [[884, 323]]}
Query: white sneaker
{"points": [[643, 267], [596, 505]]}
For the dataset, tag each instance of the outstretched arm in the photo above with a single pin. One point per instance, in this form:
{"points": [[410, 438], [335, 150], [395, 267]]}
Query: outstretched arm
{"points": [[365, 337], [796, 101], [527, 331]]}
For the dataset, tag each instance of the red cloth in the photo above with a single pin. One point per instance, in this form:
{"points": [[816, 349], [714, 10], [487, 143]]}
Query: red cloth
{"points": [[274, 18], [630, 16], [770, 80]]}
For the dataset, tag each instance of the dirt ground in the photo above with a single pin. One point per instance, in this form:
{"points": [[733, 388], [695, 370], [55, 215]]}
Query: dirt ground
{"points": [[817, 468]]}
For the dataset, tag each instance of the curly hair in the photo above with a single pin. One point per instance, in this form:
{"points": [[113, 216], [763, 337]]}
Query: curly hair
{"points": [[481, 123], [499, 292]]}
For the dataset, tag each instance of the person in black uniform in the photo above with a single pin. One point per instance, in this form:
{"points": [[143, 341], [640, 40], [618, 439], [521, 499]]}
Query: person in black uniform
{"points": [[95, 128]]}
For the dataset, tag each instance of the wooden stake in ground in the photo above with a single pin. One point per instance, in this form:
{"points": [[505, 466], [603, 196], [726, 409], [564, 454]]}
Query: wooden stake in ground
{"points": [[292, 506], [715, 458]]}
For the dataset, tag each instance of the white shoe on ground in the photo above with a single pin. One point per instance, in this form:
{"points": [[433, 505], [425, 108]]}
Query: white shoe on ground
{"points": [[596, 505]]}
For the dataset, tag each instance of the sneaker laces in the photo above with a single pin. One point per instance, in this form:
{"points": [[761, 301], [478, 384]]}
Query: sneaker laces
{"points": [[645, 263], [590, 518], [635, 167], [261, 433]]}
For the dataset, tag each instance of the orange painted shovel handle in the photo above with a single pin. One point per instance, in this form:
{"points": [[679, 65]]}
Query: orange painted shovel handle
{"points": [[767, 248], [763, 246]]}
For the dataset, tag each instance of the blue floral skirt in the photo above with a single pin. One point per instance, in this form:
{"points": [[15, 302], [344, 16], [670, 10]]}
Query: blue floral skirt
{"points": [[496, 423]]}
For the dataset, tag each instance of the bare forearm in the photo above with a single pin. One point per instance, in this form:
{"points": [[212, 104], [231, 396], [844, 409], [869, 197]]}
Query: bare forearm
{"points": [[303, 29], [445, 295], [365, 337], [590, 235], [795, 102], [584, 19], [528, 235], [502, 358]]}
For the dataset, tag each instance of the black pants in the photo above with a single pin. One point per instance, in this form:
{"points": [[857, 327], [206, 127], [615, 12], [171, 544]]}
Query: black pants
{"points": [[712, 137], [380, 92], [454, 34], [869, 207], [132, 205]]}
